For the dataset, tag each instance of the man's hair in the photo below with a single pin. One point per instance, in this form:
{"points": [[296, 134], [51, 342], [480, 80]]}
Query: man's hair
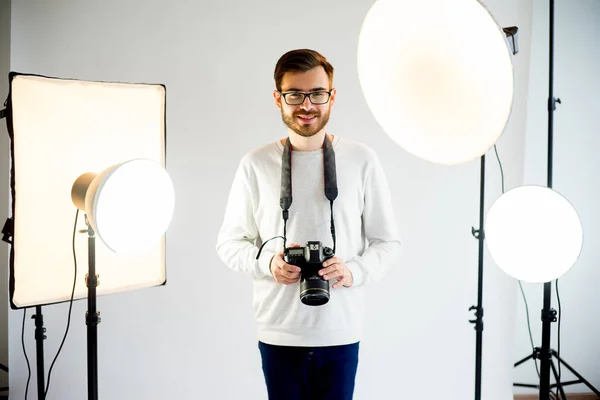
{"points": [[300, 60]]}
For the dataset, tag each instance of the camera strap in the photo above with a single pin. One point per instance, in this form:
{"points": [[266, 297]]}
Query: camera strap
{"points": [[330, 189]]}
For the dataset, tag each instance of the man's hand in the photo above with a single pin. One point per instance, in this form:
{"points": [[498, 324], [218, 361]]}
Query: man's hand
{"points": [[283, 272], [336, 268]]}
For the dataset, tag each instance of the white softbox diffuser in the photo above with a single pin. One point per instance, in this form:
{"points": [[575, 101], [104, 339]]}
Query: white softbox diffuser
{"points": [[534, 234], [437, 76], [60, 129]]}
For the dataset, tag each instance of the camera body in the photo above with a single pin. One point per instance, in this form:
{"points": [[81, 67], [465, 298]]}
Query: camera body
{"points": [[314, 290]]}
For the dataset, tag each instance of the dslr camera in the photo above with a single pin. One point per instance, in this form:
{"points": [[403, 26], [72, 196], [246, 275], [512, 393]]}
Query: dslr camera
{"points": [[314, 290]]}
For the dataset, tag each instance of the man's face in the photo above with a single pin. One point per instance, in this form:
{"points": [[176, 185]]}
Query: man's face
{"points": [[306, 119]]}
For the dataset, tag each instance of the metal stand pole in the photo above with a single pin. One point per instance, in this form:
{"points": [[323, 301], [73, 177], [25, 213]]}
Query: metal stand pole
{"points": [[40, 335], [479, 235], [92, 317]]}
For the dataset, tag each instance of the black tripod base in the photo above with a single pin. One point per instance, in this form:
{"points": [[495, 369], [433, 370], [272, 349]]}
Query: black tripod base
{"points": [[560, 385]]}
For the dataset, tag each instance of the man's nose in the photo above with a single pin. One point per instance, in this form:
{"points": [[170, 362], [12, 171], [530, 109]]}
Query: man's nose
{"points": [[306, 104]]}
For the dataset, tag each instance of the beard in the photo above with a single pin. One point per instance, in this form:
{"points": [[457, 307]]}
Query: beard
{"points": [[294, 123]]}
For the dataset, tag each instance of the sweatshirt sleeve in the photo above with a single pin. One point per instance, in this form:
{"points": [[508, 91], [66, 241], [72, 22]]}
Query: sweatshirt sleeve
{"points": [[380, 227], [236, 242]]}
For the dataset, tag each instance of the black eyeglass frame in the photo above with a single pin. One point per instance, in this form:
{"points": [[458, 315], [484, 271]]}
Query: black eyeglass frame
{"points": [[285, 94]]}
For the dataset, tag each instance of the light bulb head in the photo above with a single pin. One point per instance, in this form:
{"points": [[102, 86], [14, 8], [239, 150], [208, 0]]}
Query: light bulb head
{"points": [[533, 234], [129, 205], [437, 76]]}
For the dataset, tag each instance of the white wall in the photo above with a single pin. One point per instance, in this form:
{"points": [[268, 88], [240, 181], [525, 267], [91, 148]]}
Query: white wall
{"points": [[195, 337], [575, 175], [4, 183]]}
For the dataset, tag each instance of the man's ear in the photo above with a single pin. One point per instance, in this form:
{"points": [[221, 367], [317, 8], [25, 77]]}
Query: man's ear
{"points": [[333, 94], [277, 98]]}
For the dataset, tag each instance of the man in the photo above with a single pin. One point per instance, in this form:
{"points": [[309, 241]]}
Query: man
{"points": [[309, 352]]}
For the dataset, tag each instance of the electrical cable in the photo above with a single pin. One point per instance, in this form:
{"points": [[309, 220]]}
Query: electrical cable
{"points": [[70, 306], [520, 283], [558, 334], [25, 353]]}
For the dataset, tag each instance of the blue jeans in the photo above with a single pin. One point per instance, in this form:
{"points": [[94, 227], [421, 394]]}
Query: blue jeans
{"points": [[309, 373]]}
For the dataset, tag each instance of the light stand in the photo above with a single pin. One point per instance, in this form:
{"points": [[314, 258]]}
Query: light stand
{"points": [[143, 189], [38, 317], [92, 317], [545, 353], [480, 236], [40, 335]]}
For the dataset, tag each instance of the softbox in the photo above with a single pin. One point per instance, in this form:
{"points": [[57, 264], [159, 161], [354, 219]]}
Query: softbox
{"points": [[59, 129]]}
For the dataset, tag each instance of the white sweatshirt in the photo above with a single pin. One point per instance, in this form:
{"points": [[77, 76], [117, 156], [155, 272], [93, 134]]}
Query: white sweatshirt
{"points": [[366, 235]]}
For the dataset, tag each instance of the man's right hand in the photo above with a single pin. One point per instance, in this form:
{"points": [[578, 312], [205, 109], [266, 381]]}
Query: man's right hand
{"points": [[283, 272]]}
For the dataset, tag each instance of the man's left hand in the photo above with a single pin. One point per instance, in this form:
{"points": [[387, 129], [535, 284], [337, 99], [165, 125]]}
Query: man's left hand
{"points": [[336, 268]]}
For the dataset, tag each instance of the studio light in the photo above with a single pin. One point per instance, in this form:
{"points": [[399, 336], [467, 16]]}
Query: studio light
{"points": [[437, 76], [60, 129], [533, 234], [552, 237], [129, 205], [103, 144]]}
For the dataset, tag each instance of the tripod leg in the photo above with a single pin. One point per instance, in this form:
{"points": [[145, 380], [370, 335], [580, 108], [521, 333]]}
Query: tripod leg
{"points": [[529, 357], [581, 378], [560, 388], [534, 355]]}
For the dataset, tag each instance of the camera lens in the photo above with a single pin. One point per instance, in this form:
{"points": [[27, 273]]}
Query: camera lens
{"points": [[314, 291]]}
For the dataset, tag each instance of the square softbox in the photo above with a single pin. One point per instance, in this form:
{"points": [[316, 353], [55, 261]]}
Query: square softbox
{"points": [[60, 129]]}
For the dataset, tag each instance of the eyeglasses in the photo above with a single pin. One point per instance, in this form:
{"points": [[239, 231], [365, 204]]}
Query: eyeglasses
{"points": [[297, 98]]}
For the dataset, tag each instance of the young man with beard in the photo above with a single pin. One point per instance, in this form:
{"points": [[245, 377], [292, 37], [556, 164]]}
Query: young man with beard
{"points": [[309, 352]]}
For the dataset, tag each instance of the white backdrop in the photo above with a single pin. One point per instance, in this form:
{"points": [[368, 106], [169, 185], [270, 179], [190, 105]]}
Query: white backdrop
{"points": [[194, 338]]}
